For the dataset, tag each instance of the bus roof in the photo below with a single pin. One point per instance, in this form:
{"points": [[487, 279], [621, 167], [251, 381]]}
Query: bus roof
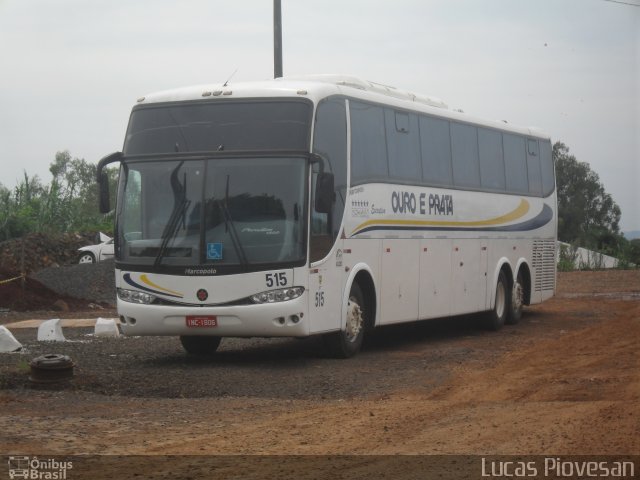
{"points": [[317, 87]]}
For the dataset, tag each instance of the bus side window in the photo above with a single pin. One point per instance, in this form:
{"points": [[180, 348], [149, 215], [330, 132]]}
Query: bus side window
{"points": [[321, 239], [491, 160], [330, 142], [368, 144], [403, 145], [436, 151], [533, 168], [515, 162], [546, 164], [464, 150]]}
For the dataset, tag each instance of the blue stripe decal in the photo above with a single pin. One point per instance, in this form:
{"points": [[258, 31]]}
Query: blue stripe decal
{"points": [[540, 220], [127, 278]]}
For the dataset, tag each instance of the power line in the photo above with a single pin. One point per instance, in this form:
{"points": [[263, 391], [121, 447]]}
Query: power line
{"points": [[623, 3]]}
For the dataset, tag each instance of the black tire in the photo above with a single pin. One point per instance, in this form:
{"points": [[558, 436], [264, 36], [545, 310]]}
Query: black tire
{"points": [[496, 318], [87, 257], [516, 302], [200, 344], [346, 343]]}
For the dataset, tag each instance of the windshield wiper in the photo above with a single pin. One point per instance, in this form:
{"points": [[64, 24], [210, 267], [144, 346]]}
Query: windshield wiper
{"points": [[179, 210], [231, 228]]}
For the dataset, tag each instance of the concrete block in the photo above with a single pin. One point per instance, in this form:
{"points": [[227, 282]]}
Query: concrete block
{"points": [[51, 331], [106, 327], [8, 342]]}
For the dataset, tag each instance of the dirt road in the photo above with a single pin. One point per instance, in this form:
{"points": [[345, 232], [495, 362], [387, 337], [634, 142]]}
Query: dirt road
{"points": [[564, 381]]}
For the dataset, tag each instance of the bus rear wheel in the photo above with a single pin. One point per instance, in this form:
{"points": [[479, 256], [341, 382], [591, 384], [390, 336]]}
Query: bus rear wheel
{"points": [[496, 318], [517, 301], [200, 344], [346, 343]]}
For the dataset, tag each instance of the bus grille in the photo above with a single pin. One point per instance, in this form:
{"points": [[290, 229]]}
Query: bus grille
{"points": [[544, 264]]}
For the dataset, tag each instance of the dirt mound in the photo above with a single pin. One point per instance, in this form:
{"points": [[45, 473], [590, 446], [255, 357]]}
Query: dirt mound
{"points": [[36, 251], [28, 294], [49, 262]]}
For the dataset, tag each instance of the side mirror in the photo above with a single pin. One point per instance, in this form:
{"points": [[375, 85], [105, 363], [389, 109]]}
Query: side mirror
{"points": [[103, 180], [325, 192]]}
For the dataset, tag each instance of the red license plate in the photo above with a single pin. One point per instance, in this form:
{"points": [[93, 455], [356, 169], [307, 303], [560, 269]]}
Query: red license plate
{"points": [[202, 321]]}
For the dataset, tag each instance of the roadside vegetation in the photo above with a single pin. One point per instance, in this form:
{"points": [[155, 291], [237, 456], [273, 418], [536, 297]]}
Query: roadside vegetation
{"points": [[67, 203]]}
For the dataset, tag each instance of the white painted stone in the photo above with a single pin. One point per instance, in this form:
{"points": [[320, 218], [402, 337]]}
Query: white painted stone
{"points": [[106, 327], [51, 331], [8, 342]]}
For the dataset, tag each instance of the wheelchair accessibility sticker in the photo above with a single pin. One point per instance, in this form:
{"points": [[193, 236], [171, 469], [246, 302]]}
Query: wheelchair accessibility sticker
{"points": [[214, 251]]}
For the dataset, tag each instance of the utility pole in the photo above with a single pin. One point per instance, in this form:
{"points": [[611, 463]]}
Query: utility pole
{"points": [[277, 39]]}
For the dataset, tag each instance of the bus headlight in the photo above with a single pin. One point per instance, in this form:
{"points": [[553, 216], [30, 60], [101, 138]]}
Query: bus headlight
{"points": [[134, 296], [281, 295]]}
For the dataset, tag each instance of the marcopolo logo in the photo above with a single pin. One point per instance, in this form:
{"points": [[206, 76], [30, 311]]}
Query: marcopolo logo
{"points": [[38, 469]]}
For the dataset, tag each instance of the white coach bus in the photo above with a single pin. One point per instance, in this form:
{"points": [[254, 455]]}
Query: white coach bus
{"points": [[324, 205]]}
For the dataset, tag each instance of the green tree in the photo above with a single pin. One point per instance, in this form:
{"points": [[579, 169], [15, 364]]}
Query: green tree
{"points": [[74, 182], [633, 251], [587, 215]]}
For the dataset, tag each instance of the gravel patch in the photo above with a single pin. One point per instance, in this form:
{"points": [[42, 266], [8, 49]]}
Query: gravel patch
{"points": [[94, 282], [158, 367]]}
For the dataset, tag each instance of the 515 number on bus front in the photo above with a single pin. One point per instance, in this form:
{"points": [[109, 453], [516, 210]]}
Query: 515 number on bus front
{"points": [[276, 279]]}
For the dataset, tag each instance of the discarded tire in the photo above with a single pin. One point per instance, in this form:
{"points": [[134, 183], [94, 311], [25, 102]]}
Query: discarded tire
{"points": [[51, 368]]}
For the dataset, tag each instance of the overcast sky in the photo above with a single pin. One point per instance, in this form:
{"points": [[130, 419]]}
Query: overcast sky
{"points": [[72, 69]]}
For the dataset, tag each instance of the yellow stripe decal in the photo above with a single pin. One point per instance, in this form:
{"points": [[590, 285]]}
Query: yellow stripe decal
{"points": [[146, 280], [519, 212]]}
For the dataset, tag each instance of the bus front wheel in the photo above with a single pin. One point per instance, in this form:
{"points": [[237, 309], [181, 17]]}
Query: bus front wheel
{"points": [[497, 317], [200, 345], [346, 343]]}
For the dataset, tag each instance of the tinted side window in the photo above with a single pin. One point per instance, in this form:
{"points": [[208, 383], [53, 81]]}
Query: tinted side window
{"points": [[403, 145], [464, 149], [368, 144], [515, 161], [436, 151], [533, 168], [546, 164], [491, 159], [330, 142]]}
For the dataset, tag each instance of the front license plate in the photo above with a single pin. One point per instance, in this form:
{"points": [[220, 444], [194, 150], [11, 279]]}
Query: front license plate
{"points": [[202, 321]]}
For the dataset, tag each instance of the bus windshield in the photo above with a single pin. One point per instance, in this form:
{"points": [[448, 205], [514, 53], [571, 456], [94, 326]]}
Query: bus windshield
{"points": [[242, 214]]}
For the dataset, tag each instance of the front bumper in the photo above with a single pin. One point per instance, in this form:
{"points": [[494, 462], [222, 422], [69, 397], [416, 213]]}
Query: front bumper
{"points": [[281, 319]]}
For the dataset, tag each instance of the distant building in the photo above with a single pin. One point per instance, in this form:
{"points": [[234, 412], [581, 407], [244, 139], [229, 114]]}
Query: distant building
{"points": [[586, 259]]}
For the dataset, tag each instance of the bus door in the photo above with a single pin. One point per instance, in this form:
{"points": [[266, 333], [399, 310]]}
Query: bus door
{"points": [[325, 293], [326, 272]]}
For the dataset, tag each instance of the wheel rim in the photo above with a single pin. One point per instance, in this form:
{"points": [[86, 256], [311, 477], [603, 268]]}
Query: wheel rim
{"points": [[354, 320], [500, 300], [86, 259], [518, 295]]}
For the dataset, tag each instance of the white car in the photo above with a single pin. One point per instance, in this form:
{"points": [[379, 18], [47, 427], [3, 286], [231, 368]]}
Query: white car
{"points": [[97, 253]]}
